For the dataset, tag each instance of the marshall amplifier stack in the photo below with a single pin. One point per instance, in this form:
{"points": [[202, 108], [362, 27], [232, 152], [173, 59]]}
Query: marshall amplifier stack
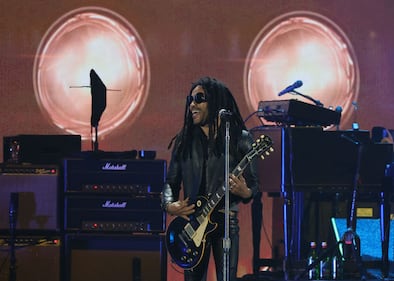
{"points": [[113, 195], [113, 223]]}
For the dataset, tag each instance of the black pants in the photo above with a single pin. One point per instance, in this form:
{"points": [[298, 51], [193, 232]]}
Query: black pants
{"points": [[215, 242]]}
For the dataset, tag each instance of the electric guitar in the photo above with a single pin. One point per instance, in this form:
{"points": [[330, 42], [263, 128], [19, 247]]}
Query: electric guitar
{"points": [[185, 240]]}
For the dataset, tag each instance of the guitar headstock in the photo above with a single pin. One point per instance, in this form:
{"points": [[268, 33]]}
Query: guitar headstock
{"points": [[262, 146]]}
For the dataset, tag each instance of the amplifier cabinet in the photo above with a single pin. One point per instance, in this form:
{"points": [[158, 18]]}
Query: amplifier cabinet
{"points": [[136, 177], [114, 213], [37, 189], [115, 257], [270, 169], [37, 258], [309, 159]]}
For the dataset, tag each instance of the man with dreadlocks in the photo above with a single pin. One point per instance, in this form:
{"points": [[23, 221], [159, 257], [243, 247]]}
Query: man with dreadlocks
{"points": [[198, 165]]}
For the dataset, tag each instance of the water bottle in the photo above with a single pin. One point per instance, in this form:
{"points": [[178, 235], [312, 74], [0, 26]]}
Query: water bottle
{"points": [[334, 268], [337, 266], [324, 265], [313, 273]]}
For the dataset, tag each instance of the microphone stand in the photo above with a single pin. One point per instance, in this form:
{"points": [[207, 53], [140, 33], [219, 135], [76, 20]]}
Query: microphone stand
{"points": [[226, 239], [13, 212], [316, 102], [351, 240], [95, 144]]}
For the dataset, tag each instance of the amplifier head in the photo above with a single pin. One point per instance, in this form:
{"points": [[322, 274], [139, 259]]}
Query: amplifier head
{"points": [[130, 176], [109, 213], [40, 149]]}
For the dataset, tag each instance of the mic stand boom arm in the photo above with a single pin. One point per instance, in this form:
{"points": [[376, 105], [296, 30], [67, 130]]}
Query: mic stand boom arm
{"points": [[316, 102]]}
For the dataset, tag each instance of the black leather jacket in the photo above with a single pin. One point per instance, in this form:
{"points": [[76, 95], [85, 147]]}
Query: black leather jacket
{"points": [[188, 173]]}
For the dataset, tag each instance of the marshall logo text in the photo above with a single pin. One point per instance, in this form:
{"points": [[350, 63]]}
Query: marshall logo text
{"points": [[109, 204], [114, 167]]}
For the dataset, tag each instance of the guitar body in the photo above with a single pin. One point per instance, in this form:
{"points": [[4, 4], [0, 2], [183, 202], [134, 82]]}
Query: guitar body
{"points": [[186, 240]]}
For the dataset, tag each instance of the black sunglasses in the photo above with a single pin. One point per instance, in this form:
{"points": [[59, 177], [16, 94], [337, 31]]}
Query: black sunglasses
{"points": [[197, 98]]}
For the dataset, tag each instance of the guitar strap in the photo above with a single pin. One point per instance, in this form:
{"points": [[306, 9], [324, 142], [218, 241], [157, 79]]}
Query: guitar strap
{"points": [[203, 184]]}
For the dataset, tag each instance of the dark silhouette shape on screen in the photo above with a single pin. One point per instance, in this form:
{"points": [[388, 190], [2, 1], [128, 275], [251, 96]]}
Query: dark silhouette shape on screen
{"points": [[99, 98]]}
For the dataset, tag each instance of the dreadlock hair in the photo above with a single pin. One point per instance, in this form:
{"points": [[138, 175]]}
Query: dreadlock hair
{"points": [[218, 97]]}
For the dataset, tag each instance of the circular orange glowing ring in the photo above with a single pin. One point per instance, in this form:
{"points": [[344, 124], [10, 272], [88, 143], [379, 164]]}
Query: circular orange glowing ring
{"points": [[81, 40], [308, 47]]}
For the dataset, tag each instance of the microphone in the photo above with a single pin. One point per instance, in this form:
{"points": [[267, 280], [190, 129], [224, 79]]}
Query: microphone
{"points": [[224, 113], [355, 104], [338, 109], [291, 88]]}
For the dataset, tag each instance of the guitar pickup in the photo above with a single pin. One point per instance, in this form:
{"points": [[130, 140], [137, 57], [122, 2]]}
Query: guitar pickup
{"points": [[189, 230]]}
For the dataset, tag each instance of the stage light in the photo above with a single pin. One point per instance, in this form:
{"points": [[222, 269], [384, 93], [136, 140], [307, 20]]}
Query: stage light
{"points": [[81, 40], [302, 46]]}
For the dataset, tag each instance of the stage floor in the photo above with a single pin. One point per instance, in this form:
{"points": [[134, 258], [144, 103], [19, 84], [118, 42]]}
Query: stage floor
{"points": [[372, 275]]}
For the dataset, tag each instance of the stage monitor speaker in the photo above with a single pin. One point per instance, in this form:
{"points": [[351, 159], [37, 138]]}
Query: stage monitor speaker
{"points": [[37, 187], [37, 258], [115, 257]]}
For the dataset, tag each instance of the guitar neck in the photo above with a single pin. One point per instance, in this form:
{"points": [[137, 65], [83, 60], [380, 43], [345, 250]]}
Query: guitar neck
{"points": [[261, 145], [218, 195]]}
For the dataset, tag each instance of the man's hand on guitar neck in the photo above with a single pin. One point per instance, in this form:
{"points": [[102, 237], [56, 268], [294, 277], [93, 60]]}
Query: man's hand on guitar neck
{"points": [[180, 208], [238, 187]]}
